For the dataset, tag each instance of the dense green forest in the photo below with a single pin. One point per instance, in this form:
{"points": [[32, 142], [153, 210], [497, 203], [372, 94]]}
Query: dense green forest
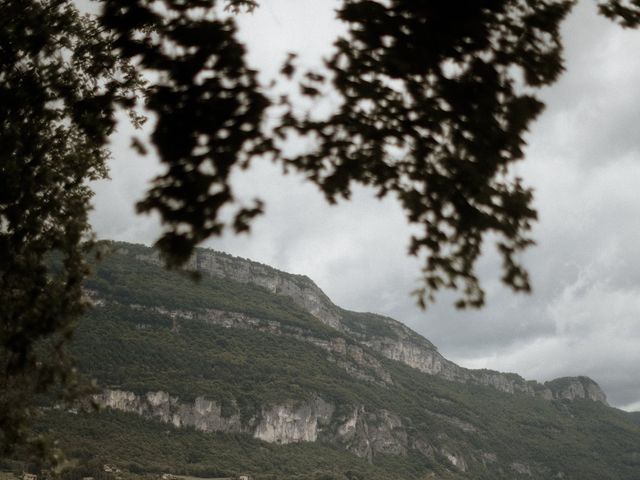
{"points": [[148, 331]]}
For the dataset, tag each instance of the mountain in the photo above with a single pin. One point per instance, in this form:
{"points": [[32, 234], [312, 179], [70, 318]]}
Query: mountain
{"points": [[384, 335], [255, 371]]}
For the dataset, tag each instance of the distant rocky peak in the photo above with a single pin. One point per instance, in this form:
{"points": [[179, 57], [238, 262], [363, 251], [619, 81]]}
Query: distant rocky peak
{"points": [[576, 388]]}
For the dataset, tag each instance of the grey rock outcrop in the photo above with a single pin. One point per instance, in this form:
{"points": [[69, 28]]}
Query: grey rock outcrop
{"points": [[429, 360], [576, 388], [363, 433], [368, 433], [203, 414], [456, 459], [294, 422]]}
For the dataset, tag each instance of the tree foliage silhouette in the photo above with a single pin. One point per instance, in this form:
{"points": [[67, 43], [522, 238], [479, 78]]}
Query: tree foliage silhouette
{"points": [[435, 97], [59, 86]]}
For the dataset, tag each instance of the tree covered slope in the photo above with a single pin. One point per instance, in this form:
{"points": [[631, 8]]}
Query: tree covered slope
{"points": [[252, 370]]}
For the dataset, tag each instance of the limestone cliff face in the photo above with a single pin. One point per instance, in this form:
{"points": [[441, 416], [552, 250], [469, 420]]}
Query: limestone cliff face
{"points": [[572, 388], [404, 345], [416, 356], [429, 360], [294, 422], [204, 415], [363, 433], [368, 433]]}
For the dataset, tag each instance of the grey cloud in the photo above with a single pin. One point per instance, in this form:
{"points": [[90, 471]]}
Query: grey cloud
{"points": [[583, 161], [593, 113]]}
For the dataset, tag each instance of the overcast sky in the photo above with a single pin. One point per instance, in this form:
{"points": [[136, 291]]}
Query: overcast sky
{"points": [[583, 160]]}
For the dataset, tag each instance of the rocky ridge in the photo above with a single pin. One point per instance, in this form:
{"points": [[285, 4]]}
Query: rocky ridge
{"points": [[403, 345], [572, 388], [360, 432]]}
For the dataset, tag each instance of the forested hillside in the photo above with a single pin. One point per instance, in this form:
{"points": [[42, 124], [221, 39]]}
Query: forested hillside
{"points": [[240, 373]]}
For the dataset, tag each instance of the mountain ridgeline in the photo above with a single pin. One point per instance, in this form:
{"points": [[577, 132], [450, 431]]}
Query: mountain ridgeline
{"points": [[381, 334], [255, 371]]}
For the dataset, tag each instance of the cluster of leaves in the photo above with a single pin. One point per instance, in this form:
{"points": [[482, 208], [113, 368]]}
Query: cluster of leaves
{"points": [[432, 111], [626, 13], [208, 111]]}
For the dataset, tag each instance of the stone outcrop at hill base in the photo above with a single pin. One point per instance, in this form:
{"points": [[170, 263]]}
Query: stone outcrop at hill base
{"points": [[361, 432]]}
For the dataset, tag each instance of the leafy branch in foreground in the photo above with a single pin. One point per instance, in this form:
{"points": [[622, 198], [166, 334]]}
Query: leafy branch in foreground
{"points": [[433, 112], [59, 87]]}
